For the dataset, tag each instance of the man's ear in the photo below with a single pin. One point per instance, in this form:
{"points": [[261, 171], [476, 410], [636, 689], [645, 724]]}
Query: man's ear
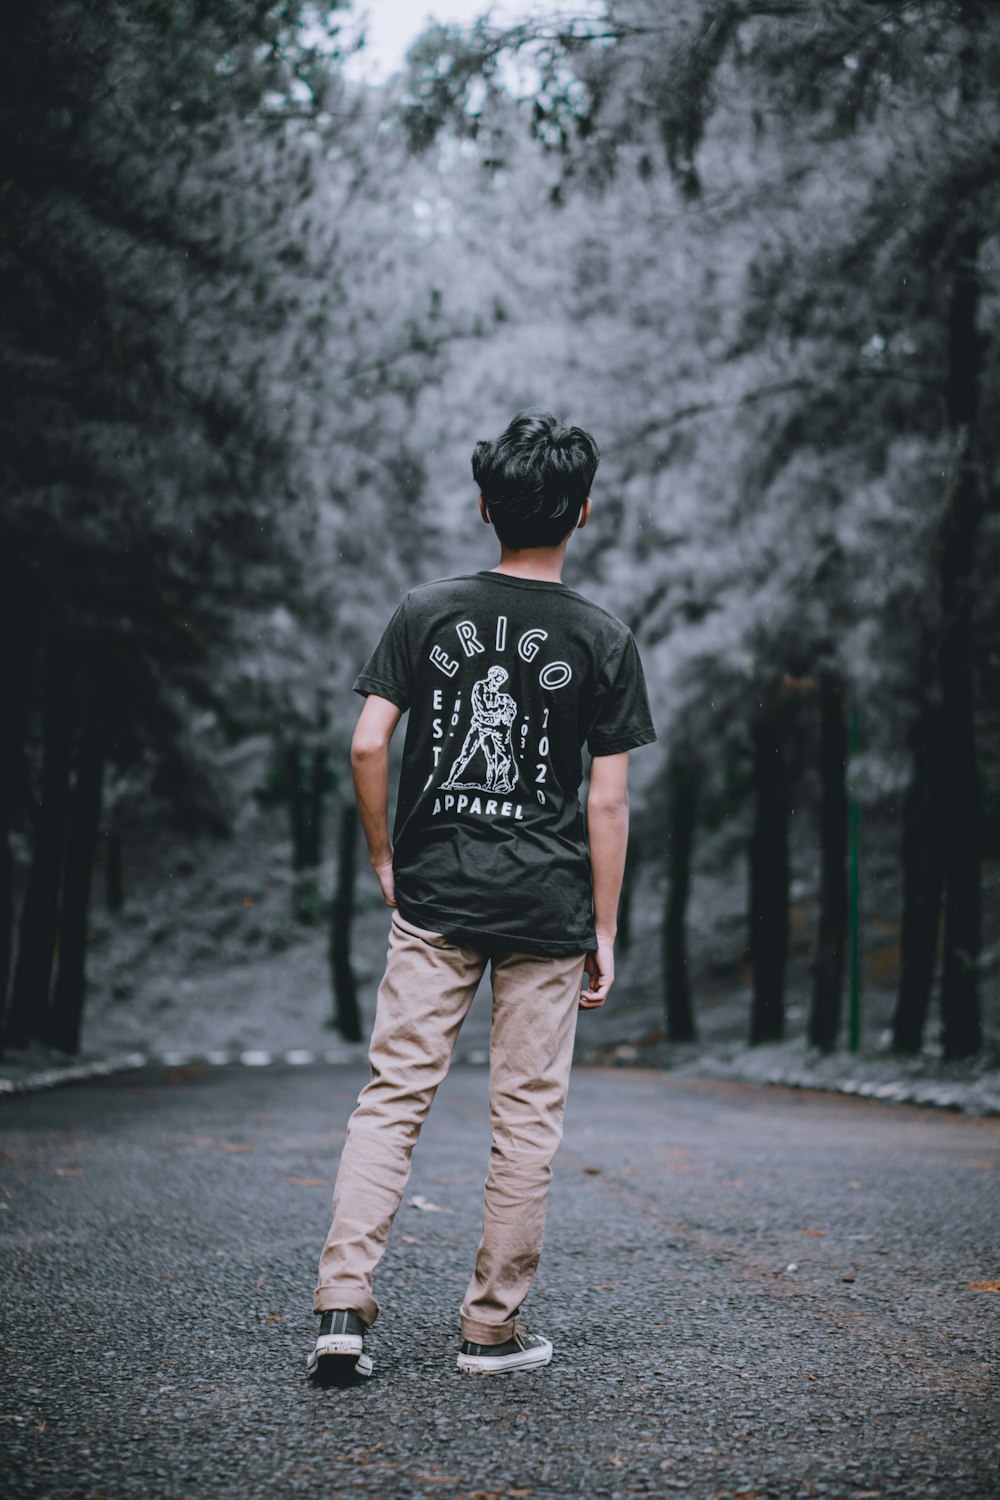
{"points": [[484, 511], [584, 513]]}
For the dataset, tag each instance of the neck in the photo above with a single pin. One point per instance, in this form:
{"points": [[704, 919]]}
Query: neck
{"points": [[543, 563]]}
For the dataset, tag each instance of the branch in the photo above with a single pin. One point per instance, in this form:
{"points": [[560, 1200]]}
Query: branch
{"points": [[778, 388]]}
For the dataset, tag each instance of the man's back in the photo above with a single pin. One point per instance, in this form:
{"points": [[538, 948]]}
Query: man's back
{"points": [[505, 680]]}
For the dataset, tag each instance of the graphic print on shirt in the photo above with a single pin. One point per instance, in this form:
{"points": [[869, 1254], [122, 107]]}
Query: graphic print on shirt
{"points": [[488, 745]]}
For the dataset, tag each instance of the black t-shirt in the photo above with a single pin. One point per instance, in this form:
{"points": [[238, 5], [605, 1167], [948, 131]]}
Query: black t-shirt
{"points": [[505, 680]]}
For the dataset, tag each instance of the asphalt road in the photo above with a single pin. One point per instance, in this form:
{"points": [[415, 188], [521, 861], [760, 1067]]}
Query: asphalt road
{"points": [[752, 1292]]}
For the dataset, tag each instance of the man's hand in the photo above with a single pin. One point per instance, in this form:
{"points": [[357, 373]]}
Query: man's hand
{"points": [[600, 969], [386, 880]]}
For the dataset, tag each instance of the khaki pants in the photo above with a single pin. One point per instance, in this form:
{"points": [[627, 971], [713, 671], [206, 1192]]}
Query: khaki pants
{"points": [[427, 990]]}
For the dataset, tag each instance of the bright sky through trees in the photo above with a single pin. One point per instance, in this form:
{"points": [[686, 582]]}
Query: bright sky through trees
{"points": [[391, 26]]}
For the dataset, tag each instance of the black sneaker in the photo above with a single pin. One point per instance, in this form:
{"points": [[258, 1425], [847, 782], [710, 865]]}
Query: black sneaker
{"points": [[522, 1352], [339, 1353]]}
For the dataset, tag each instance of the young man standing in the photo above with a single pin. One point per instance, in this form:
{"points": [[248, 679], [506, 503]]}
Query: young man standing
{"points": [[506, 675]]}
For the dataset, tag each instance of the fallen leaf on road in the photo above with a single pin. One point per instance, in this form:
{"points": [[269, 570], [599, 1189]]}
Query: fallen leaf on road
{"points": [[810, 1231], [236, 1146], [592, 1171], [307, 1181], [429, 1208], [410, 1239], [987, 1166], [276, 1318], [984, 1286]]}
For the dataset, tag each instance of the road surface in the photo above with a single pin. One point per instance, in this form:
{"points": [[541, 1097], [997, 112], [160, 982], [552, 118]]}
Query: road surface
{"points": [[752, 1292]]}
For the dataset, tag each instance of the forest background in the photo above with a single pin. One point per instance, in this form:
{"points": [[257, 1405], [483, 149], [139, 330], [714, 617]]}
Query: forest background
{"points": [[256, 311]]}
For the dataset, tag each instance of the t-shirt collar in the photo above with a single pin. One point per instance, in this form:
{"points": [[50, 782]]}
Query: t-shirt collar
{"points": [[519, 583]]}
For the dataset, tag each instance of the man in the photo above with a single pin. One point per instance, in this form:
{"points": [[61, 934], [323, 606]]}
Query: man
{"points": [[490, 864]]}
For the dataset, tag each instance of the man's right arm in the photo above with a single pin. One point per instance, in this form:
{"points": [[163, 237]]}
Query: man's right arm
{"points": [[370, 765]]}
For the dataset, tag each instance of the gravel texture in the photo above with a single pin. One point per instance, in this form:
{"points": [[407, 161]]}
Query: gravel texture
{"points": [[752, 1292]]}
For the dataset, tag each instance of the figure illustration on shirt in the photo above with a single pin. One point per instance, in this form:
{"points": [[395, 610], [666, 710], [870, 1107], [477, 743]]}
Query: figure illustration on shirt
{"points": [[493, 715]]}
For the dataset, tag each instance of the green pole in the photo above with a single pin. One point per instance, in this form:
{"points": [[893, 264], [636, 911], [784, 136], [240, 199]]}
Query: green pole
{"points": [[854, 1017]]}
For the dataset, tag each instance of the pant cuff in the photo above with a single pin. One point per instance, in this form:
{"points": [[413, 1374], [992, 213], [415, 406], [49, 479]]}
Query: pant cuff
{"points": [[328, 1299], [487, 1333]]}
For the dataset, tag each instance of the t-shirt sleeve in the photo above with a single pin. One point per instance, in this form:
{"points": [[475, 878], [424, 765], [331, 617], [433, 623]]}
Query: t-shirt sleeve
{"points": [[622, 721], [386, 673]]}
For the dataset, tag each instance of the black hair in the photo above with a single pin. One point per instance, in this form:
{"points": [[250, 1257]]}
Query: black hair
{"points": [[535, 478]]}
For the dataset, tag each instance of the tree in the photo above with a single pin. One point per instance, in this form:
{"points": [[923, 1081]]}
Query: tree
{"points": [[828, 977], [346, 1013], [682, 807], [141, 410]]}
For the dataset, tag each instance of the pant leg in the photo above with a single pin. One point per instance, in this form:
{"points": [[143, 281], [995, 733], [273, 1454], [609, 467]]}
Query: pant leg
{"points": [[422, 1001], [535, 1006]]}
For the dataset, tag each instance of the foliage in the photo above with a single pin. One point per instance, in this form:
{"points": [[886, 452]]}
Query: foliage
{"points": [[207, 314], [748, 221], [255, 317]]}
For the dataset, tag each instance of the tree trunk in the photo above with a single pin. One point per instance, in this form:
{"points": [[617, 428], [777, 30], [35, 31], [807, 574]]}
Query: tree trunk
{"points": [[828, 975], [313, 811], [682, 805], [306, 900], [769, 878], [961, 1030], [296, 803], [40, 912], [346, 1016], [66, 1011], [114, 871], [923, 882], [10, 729]]}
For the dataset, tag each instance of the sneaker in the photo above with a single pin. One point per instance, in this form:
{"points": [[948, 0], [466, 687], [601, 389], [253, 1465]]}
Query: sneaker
{"points": [[339, 1353], [522, 1352]]}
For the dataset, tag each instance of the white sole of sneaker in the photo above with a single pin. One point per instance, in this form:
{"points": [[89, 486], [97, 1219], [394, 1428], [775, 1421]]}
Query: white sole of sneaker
{"points": [[339, 1343], [484, 1364]]}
